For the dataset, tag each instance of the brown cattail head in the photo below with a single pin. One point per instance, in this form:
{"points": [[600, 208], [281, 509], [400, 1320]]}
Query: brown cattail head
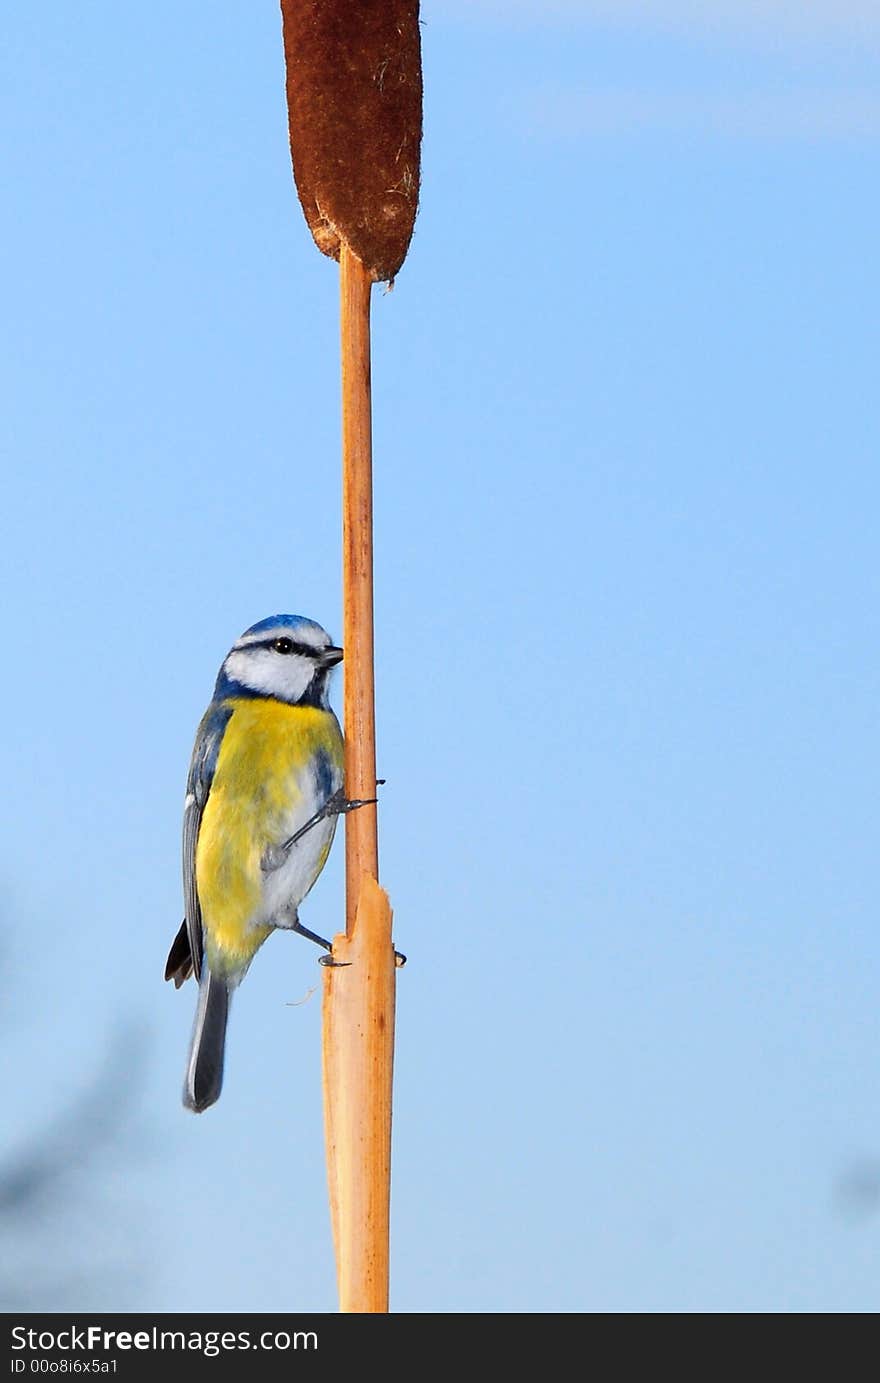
{"points": [[354, 100]]}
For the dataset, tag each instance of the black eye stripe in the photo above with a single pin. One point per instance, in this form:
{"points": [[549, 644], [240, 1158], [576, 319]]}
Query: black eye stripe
{"points": [[304, 650]]}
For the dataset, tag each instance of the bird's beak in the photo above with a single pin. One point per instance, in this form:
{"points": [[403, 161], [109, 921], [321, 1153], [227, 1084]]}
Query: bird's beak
{"points": [[331, 656]]}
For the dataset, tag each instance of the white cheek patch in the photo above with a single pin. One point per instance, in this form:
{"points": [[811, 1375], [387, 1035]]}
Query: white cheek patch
{"points": [[285, 675]]}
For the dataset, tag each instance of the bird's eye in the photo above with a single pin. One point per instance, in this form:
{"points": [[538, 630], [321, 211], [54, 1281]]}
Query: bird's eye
{"points": [[283, 645]]}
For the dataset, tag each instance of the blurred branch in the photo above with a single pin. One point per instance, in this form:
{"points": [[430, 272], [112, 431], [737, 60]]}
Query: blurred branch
{"points": [[78, 1135], [38, 1190]]}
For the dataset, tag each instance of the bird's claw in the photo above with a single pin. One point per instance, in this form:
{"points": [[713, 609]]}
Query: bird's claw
{"points": [[339, 804], [399, 961]]}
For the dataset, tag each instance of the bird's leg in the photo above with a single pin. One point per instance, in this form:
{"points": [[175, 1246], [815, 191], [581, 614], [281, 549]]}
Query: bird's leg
{"points": [[297, 926], [337, 805]]}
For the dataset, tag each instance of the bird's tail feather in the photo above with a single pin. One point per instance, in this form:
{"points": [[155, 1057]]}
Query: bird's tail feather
{"points": [[204, 1072]]}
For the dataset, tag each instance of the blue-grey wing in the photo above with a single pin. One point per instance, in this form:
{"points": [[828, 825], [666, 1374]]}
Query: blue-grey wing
{"points": [[206, 749]]}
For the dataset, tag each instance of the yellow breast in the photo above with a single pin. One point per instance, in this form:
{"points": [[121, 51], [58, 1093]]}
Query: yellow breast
{"points": [[263, 769]]}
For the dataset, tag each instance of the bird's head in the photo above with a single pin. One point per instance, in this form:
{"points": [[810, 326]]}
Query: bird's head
{"points": [[286, 657]]}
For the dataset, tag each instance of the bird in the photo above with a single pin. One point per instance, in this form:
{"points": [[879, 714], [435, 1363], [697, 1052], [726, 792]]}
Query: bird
{"points": [[263, 795]]}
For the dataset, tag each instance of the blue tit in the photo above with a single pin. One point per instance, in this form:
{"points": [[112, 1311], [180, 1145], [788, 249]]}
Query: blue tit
{"points": [[262, 797]]}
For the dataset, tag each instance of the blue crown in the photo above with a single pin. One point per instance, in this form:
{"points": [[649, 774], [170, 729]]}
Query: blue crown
{"points": [[287, 621]]}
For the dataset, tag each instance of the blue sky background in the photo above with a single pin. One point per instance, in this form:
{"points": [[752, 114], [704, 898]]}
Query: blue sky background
{"points": [[626, 441]]}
